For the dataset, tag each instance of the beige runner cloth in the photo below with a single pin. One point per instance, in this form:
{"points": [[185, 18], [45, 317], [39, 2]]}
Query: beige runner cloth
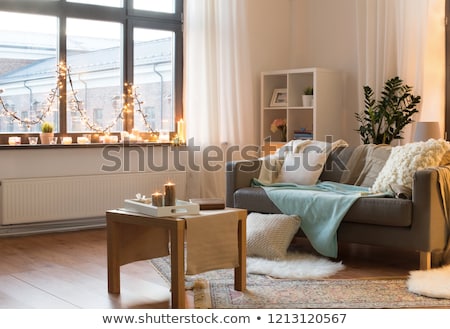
{"points": [[211, 242]]}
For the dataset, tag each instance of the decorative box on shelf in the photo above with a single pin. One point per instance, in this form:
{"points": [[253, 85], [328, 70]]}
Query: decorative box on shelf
{"points": [[180, 208]]}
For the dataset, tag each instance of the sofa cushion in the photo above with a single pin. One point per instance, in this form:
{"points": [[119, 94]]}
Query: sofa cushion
{"points": [[381, 211], [269, 236], [376, 157], [376, 211], [336, 165], [302, 168], [406, 159], [354, 165], [254, 199]]}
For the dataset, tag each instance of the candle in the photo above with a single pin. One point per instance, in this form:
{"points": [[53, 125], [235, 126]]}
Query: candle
{"points": [[110, 139], [169, 194], [82, 140], [132, 138], [14, 140], [157, 199], [66, 140], [164, 136], [124, 136], [180, 130]]}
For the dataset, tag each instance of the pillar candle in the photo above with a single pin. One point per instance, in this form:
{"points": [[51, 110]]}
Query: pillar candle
{"points": [[169, 194], [66, 140], [157, 199]]}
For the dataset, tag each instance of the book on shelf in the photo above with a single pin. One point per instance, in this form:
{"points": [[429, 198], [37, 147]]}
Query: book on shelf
{"points": [[302, 134]]}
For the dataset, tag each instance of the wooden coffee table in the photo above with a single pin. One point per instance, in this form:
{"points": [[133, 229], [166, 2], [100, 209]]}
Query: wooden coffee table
{"points": [[133, 237]]}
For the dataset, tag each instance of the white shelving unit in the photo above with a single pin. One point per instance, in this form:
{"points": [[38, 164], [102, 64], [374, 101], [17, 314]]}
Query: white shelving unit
{"points": [[324, 118]]}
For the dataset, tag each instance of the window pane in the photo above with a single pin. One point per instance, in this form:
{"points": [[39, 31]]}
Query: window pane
{"points": [[94, 100], [28, 71], [164, 6], [109, 3], [153, 78]]}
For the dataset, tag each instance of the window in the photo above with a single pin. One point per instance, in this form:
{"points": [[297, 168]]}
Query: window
{"points": [[153, 73], [107, 46], [24, 49], [94, 91]]}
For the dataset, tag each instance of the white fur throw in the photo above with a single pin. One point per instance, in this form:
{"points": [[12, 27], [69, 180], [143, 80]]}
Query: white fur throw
{"points": [[405, 160]]}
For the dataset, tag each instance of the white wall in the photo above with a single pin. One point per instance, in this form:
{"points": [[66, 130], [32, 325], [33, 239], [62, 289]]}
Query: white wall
{"points": [[269, 28], [307, 33], [324, 35]]}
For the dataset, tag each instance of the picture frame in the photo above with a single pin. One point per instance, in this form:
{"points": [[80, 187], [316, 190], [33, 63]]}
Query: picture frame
{"points": [[279, 97]]}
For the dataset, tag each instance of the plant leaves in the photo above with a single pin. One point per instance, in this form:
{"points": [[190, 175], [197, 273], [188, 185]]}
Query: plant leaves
{"points": [[383, 120]]}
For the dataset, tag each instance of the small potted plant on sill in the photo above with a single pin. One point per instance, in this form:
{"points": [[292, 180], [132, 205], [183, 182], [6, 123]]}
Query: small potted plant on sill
{"points": [[308, 97], [46, 132]]}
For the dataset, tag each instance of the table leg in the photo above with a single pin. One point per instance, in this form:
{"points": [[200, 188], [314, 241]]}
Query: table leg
{"points": [[113, 232], [177, 265], [240, 273]]}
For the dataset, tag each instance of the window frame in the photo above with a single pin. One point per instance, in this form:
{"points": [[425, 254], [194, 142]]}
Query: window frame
{"points": [[129, 18]]}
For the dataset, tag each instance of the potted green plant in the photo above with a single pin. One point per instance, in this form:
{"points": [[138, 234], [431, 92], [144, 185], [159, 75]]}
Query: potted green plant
{"points": [[46, 133], [383, 120], [307, 97]]}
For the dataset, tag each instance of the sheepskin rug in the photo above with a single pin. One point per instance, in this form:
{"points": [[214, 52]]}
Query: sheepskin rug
{"points": [[300, 266], [431, 283]]}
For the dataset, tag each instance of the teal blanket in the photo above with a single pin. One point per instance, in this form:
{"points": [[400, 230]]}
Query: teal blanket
{"points": [[321, 208]]}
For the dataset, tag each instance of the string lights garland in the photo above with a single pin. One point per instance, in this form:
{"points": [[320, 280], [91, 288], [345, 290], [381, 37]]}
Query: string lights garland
{"points": [[27, 122], [132, 94], [130, 98]]}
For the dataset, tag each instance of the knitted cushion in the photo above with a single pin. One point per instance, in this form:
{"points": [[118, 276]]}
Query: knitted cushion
{"points": [[406, 159], [269, 235]]}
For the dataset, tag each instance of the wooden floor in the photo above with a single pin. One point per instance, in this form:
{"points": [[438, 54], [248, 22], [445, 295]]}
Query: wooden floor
{"points": [[68, 270]]}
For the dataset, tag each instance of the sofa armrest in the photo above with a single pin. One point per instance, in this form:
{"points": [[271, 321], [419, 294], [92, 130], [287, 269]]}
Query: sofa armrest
{"points": [[429, 222], [240, 174]]}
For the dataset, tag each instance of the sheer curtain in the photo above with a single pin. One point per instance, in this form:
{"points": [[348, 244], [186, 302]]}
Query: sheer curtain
{"points": [[404, 38], [219, 111]]}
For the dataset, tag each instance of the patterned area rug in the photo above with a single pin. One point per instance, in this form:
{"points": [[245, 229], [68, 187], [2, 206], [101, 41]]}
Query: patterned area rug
{"points": [[215, 289]]}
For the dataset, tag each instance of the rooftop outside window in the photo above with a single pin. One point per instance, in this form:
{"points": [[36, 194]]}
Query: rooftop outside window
{"points": [[104, 50]]}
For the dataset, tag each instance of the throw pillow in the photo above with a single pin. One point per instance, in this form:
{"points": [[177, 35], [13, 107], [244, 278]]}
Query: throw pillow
{"points": [[405, 160], [376, 158], [302, 168], [355, 164], [269, 235]]}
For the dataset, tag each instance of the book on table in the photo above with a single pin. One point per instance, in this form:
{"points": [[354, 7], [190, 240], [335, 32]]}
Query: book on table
{"points": [[209, 203]]}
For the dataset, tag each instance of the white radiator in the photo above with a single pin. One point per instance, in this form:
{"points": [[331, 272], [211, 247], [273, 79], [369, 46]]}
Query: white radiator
{"points": [[34, 200]]}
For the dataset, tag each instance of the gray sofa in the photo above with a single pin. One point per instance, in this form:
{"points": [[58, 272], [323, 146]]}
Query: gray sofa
{"points": [[417, 224]]}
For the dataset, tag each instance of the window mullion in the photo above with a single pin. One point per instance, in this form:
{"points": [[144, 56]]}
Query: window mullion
{"points": [[62, 48], [128, 71]]}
